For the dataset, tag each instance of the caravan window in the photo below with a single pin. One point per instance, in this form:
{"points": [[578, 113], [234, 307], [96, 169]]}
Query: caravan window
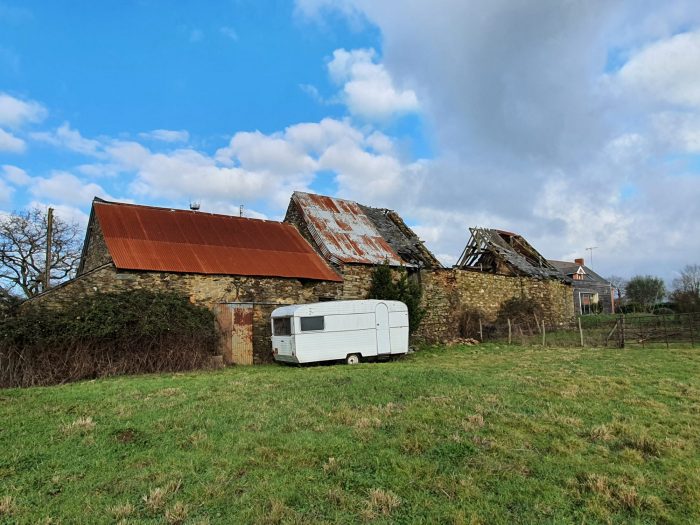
{"points": [[282, 325], [311, 323]]}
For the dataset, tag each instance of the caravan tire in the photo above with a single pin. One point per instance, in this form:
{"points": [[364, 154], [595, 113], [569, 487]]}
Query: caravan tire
{"points": [[352, 359]]}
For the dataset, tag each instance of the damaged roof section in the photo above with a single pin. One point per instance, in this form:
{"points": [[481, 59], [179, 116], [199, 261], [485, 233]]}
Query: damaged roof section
{"points": [[401, 238], [505, 253], [347, 232]]}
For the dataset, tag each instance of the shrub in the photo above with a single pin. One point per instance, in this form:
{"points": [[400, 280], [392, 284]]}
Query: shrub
{"points": [[105, 334], [384, 286]]}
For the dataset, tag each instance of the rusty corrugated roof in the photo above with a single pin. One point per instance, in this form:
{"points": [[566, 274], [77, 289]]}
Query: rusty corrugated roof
{"points": [[169, 240], [343, 232]]}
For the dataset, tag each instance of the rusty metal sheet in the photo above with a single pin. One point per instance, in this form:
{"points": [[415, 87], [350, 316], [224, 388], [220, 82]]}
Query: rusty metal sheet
{"points": [[236, 323], [168, 240], [343, 232]]}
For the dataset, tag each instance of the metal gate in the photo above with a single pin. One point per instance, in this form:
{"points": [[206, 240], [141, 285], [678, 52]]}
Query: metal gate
{"points": [[236, 321]]}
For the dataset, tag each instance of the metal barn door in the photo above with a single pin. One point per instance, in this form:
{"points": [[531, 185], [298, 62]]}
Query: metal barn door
{"points": [[236, 321], [383, 337]]}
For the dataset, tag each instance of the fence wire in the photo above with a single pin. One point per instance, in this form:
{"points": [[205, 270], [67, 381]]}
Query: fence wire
{"points": [[595, 331]]}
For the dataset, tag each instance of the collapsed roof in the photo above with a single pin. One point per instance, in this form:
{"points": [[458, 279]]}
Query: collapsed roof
{"points": [[347, 232], [185, 241], [505, 253]]}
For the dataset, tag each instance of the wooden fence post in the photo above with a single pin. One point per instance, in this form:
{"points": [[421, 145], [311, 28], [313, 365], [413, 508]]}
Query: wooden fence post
{"points": [[692, 337], [544, 336], [510, 333], [481, 332], [663, 320], [622, 331], [580, 330]]}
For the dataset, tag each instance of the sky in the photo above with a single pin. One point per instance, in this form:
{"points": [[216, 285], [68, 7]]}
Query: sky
{"points": [[574, 124]]}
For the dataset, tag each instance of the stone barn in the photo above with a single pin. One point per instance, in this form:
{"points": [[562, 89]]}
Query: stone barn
{"points": [[326, 249], [241, 268]]}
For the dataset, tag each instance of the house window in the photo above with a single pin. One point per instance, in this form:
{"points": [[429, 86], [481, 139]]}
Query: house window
{"points": [[309, 324], [282, 326], [578, 277]]}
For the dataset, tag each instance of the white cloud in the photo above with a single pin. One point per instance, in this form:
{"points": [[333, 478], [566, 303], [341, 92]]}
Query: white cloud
{"points": [[528, 134], [6, 193], [679, 131], [10, 143], [16, 176], [15, 112], [368, 89], [65, 188], [666, 70], [66, 137], [167, 135]]}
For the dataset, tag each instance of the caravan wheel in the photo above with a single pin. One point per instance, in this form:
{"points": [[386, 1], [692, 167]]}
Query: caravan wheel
{"points": [[352, 359]]}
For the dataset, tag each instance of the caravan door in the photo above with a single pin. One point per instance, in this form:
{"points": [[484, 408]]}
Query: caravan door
{"points": [[383, 338]]}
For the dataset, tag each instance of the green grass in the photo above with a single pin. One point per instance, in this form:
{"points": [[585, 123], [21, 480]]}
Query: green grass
{"points": [[481, 434]]}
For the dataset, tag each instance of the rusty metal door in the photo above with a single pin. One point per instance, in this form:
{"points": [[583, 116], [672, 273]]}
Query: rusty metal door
{"points": [[236, 321]]}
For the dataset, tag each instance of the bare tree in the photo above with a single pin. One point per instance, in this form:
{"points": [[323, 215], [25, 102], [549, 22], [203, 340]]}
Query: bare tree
{"points": [[689, 280], [618, 283], [686, 289], [23, 251]]}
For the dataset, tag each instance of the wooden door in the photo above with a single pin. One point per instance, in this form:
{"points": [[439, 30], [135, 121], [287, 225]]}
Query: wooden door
{"points": [[236, 321]]}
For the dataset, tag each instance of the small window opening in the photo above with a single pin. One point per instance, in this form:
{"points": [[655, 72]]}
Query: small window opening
{"points": [[282, 326], [309, 324]]}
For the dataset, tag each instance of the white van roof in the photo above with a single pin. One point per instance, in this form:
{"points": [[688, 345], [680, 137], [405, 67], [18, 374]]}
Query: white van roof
{"points": [[337, 307]]}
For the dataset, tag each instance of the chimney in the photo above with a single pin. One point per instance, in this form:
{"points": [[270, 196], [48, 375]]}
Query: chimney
{"points": [[579, 262]]}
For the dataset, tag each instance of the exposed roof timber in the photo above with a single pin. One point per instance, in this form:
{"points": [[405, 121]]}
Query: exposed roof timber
{"points": [[498, 251]]}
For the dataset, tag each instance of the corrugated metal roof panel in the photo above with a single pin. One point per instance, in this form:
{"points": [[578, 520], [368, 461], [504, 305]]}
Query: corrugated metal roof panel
{"points": [[343, 232], [160, 239]]}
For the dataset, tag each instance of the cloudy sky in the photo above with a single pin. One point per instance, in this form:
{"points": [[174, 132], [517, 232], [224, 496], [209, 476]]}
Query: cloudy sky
{"points": [[575, 124]]}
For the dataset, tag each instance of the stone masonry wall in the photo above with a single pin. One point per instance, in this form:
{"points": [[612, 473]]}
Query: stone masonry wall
{"points": [[96, 253], [446, 293], [266, 293]]}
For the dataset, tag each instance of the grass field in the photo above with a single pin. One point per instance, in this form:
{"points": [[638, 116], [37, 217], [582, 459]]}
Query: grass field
{"points": [[481, 434]]}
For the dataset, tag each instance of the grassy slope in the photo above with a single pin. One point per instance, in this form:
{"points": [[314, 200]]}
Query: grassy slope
{"points": [[462, 435]]}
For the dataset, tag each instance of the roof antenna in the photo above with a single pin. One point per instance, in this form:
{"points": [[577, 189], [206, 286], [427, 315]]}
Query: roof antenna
{"points": [[194, 205], [240, 210], [590, 249]]}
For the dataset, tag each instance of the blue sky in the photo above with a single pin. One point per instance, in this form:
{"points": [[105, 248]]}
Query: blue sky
{"points": [[575, 125]]}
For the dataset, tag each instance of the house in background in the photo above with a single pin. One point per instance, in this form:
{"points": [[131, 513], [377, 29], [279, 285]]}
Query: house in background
{"points": [[592, 293]]}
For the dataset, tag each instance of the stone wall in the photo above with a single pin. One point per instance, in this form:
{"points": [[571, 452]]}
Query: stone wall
{"points": [[95, 253], [446, 293]]}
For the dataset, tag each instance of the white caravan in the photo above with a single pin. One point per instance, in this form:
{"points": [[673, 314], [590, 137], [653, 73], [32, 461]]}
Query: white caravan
{"points": [[339, 330]]}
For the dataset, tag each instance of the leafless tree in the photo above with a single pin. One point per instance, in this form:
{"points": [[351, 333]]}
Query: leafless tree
{"points": [[618, 283], [686, 289], [689, 280], [23, 251]]}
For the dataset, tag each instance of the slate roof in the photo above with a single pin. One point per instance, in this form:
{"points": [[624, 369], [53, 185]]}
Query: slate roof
{"points": [[570, 268], [347, 232], [185, 241]]}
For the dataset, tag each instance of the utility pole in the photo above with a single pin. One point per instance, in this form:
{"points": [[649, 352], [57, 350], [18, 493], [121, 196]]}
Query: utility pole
{"points": [[49, 234], [590, 249]]}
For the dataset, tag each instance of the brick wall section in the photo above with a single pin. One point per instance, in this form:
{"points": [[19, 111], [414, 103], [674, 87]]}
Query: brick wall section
{"points": [[96, 253]]}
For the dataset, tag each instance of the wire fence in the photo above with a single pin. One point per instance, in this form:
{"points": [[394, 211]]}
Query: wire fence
{"points": [[595, 331]]}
